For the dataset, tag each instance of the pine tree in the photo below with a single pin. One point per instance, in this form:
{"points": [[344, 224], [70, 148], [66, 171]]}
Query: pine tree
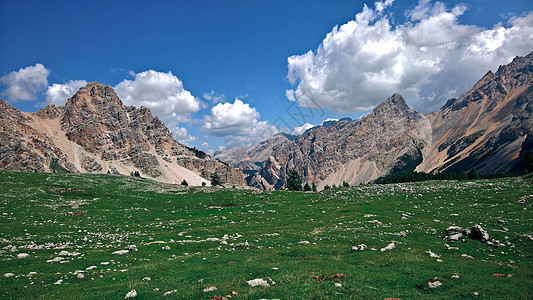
{"points": [[184, 182], [313, 187], [215, 179], [294, 183], [307, 188]]}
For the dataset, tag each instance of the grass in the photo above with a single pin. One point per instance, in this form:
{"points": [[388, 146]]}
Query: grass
{"points": [[96, 215]]}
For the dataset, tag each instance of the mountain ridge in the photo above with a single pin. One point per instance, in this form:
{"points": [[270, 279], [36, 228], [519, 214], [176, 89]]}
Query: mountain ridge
{"points": [[95, 132], [488, 128]]}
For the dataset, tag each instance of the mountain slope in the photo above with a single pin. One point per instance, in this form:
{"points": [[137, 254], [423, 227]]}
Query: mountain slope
{"points": [[95, 132], [488, 128]]}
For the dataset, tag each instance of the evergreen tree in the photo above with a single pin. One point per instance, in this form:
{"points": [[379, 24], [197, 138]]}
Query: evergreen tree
{"points": [[307, 188], [215, 179], [473, 174], [294, 183], [184, 182], [345, 184], [313, 187], [326, 187]]}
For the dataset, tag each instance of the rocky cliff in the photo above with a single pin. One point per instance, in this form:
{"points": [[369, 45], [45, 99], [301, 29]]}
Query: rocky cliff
{"points": [[488, 128], [95, 132]]}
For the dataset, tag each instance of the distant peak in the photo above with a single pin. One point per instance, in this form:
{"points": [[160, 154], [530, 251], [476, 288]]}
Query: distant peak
{"points": [[95, 93], [396, 100]]}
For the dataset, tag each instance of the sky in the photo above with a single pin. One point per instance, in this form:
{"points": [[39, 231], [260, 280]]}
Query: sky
{"points": [[231, 73]]}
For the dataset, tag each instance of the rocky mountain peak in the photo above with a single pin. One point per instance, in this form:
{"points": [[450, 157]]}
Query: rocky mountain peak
{"points": [[392, 107], [94, 96]]}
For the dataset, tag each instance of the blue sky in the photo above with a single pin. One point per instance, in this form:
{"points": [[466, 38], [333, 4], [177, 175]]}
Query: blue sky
{"points": [[228, 73]]}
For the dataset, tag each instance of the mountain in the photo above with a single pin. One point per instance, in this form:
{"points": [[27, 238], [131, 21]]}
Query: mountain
{"points": [[488, 128], [94, 132]]}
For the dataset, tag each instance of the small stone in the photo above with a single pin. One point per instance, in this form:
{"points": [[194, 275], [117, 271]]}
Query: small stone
{"points": [[90, 268], [478, 233], [466, 256], [7, 275], [433, 283], [168, 293], [212, 239], [80, 276], [475, 293], [131, 294], [388, 247], [147, 279], [60, 281], [133, 248], [258, 282], [120, 252], [22, 255], [338, 284], [361, 247], [165, 248], [211, 288], [303, 243]]}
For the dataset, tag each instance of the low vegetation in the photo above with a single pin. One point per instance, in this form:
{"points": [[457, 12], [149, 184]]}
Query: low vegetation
{"points": [[72, 236]]}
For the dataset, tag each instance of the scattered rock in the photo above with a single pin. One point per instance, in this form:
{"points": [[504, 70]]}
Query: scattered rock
{"points": [[210, 288], [478, 233], [431, 254], [454, 275], [453, 230], [388, 247], [166, 248], [147, 279], [212, 239], [131, 294], [338, 284], [60, 281], [80, 276], [170, 292], [466, 256], [303, 243], [133, 248], [433, 283], [120, 252], [55, 260], [90, 268], [475, 293], [22, 255], [7, 275], [361, 247], [258, 282]]}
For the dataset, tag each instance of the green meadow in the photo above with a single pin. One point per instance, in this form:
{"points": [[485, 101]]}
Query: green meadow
{"points": [[189, 241]]}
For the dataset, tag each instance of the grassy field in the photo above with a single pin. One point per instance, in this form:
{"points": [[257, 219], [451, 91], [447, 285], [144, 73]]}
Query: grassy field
{"points": [[190, 239]]}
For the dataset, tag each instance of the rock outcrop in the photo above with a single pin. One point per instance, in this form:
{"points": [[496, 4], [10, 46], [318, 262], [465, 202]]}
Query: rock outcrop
{"points": [[489, 128], [96, 133]]}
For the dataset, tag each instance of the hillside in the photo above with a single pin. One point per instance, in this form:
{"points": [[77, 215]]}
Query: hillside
{"points": [[95, 133]]}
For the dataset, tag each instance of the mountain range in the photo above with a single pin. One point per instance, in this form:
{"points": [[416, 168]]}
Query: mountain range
{"points": [[489, 128], [96, 133]]}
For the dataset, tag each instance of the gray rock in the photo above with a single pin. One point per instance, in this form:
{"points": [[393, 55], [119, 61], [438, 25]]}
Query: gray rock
{"points": [[478, 233]]}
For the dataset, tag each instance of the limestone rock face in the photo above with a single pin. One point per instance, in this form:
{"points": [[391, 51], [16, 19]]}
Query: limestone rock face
{"points": [[489, 128], [95, 132]]}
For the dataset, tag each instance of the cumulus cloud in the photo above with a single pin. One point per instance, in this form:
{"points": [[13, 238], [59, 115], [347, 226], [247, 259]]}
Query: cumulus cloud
{"points": [[181, 134], [163, 93], [301, 129], [58, 94], [429, 59], [25, 83], [237, 123]]}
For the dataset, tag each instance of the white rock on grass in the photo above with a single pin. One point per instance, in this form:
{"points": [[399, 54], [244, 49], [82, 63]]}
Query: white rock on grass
{"points": [[361, 247], [7, 275], [434, 283], [147, 279], [120, 252], [133, 248], [210, 288], [303, 243], [212, 239], [165, 248], [55, 260], [22, 255], [90, 268], [258, 282], [466, 256], [60, 281], [169, 292], [131, 294], [431, 254], [80, 276], [338, 284], [388, 247]]}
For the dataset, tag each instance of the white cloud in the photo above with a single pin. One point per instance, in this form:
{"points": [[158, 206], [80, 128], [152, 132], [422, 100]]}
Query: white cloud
{"points": [[301, 129], [181, 134], [25, 83], [58, 94], [429, 59], [214, 97], [163, 93], [237, 123]]}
